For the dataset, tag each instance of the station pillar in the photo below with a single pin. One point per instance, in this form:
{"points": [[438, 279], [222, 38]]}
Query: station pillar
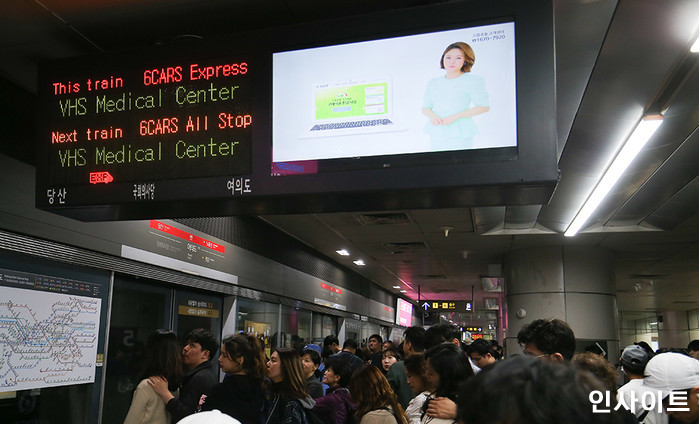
{"points": [[673, 330], [575, 284]]}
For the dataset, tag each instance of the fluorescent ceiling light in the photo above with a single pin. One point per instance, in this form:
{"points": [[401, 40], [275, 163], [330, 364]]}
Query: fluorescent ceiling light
{"points": [[695, 46], [342, 252], [396, 287], [639, 137], [403, 291], [359, 262]]}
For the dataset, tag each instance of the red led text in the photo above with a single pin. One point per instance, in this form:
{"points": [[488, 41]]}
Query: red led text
{"points": [[104, 84], [101, 177], [195, 123], [61, 137], [228, 120], [227, 70], [65, 87], [104, 134], [162, 75], [158, 126], [92, 85]]}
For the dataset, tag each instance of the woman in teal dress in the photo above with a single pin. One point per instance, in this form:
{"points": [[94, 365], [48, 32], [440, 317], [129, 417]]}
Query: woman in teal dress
{"points": [[451, 101]]}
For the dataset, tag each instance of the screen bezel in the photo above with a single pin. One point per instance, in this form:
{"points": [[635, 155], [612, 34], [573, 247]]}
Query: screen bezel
{"points": [[424, 158]]}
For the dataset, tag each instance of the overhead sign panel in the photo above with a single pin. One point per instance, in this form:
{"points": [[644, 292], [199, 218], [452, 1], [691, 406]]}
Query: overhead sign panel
{"points": [[447, 305], [313, 118]]}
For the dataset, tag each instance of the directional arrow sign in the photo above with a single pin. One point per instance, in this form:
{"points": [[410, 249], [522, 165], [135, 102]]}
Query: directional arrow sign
{"points": [[448, 305]]}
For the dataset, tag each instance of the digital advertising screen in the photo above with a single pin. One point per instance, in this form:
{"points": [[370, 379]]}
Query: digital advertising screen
{"points": [[395, 96], [404, 313]]}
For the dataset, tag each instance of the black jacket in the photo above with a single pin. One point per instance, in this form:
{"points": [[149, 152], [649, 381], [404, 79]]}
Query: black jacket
{"points": [[239, 396], [199, 381]]}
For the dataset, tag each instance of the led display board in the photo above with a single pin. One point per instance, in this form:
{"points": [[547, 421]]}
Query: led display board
{"points": [[119, 131], [226, 126]]}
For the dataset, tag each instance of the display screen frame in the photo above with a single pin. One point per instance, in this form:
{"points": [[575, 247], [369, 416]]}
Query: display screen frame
{"points": [[483, 177], [405, 72], [404, 313]]}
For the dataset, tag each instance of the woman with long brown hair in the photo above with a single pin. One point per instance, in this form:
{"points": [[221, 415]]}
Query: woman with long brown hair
{"points": [[241, 393], [289, 400], [163, 358], [446, 368], [415, 365], [376, 402]]}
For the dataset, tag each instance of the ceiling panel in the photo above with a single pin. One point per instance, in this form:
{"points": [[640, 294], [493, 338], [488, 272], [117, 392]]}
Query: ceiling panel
{"points": [[612, 60]]}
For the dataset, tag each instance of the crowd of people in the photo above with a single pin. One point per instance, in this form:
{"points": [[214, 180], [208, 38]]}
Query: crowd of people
{"points": [[430, 377]]}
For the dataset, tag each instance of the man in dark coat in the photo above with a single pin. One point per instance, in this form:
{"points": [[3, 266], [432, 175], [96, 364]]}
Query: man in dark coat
{"points": [[196, 356]]}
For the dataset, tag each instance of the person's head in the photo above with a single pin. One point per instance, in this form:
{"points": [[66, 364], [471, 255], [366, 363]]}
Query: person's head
{"points": [[461, 52], [389, 357], [675, 373], [200, 347], [370, 391], [363, 354], [441, 333], [596, 349], [163, 357], [414, 340], [646, 347], [331, 343], [482, 353], [310, 359], [415, 365], [208, 417], [243, 354], [375, 342], [633, 360], [496, 346], [337, 372], [599, 367], [313, 346], [550, 339], [525, 390], [350, 345], [286, 372], [693, 349], [387, 344], [447, 367]]}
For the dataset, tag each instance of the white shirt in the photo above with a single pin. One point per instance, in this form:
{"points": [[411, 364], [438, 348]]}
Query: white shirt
{"points": [[414, 409], [634, 389]]}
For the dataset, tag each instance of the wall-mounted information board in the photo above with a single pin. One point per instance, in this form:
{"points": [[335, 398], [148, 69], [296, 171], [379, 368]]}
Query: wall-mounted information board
{"points": [[50, 330], [52, 337], [312, 118], [118, 131]]}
